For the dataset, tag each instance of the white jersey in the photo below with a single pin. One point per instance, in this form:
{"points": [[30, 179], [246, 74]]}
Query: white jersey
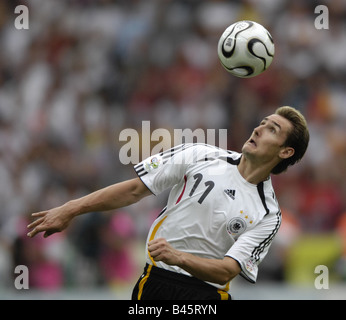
{"points": [[212, 211]]}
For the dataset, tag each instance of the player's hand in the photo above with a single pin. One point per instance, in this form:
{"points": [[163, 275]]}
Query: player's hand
{"points": [[49, 222], [161, 250]]}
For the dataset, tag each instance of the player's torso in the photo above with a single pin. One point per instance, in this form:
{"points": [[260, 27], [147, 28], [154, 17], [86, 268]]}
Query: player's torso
{"points": [[209, 209]]}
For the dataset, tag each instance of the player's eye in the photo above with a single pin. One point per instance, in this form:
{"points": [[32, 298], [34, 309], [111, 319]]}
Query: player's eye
{"points": [[272, 129]]}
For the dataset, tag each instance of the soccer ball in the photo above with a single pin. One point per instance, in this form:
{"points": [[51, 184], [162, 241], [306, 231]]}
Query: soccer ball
{"points": [[246, 49]]}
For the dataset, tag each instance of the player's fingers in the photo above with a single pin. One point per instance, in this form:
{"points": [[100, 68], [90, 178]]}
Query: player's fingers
{"points": [[39, 214], [42, 228], [157, 258], [155, 254], [35, 223], [35, 231], [153, 247], [158, 241], [157, 248]]}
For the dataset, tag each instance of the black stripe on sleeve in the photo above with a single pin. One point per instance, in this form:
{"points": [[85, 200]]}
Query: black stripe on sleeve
{"points": [[266, 242], [260, 190], [140, 170], [170, 152]]}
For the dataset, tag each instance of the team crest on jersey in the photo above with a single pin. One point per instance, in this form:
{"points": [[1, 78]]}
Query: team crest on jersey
{"points": [[153, 163], [236, 226]]}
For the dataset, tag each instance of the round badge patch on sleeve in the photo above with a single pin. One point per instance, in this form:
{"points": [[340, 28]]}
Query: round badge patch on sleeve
{"points": [[153, 163]]}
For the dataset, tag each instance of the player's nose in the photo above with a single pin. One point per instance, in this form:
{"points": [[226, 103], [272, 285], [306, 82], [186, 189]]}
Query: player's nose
{"points": [[257, 131]]}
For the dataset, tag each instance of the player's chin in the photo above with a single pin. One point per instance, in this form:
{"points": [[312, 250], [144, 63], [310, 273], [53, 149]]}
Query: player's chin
{"points": [[248, 147]]}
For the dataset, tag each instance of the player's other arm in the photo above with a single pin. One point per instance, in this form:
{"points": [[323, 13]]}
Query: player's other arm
{"points": [[113, 197], [212, 270]]}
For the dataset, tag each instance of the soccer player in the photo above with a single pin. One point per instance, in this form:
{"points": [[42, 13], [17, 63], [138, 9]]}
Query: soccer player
{"points": [[221, 214]]}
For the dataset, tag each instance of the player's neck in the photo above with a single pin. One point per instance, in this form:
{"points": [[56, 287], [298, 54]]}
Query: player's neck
{"points": [[254, 172]]}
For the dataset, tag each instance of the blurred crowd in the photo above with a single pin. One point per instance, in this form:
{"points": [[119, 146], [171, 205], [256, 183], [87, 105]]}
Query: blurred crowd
{"points": [[87, 69]]}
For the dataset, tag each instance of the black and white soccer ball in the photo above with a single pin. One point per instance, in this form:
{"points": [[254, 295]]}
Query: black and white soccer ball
{"points": [[246, 49]]}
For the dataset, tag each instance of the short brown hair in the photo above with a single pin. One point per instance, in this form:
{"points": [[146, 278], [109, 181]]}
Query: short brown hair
{"points": [[298, 138]]}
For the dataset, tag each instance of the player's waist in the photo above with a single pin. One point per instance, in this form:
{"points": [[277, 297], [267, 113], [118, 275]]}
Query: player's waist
{"points": [[175, 277]]}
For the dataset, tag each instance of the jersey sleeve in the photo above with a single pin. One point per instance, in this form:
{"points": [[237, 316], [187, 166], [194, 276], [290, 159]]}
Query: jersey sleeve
{"points": [[162, 171], [252, 246]]}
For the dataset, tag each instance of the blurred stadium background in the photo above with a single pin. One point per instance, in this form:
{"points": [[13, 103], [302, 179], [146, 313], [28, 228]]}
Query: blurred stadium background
{"points": [[87, 69]]}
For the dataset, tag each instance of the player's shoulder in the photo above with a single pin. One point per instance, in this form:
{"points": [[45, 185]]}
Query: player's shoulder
{"points": [[197, 151], [208, 153], [210, 150]]}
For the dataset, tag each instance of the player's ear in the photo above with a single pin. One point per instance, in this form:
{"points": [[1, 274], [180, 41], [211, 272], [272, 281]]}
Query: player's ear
{"points": [[286, 153]]}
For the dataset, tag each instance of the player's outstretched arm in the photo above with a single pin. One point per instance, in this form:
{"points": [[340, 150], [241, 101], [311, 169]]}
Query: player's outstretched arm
{"points": [[113, 197]]}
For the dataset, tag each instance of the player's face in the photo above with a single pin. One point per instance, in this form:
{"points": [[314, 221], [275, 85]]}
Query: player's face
{"points": [[267, 142]]}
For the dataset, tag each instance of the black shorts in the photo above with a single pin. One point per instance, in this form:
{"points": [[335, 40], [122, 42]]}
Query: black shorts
{"points": [[159, 284]]}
